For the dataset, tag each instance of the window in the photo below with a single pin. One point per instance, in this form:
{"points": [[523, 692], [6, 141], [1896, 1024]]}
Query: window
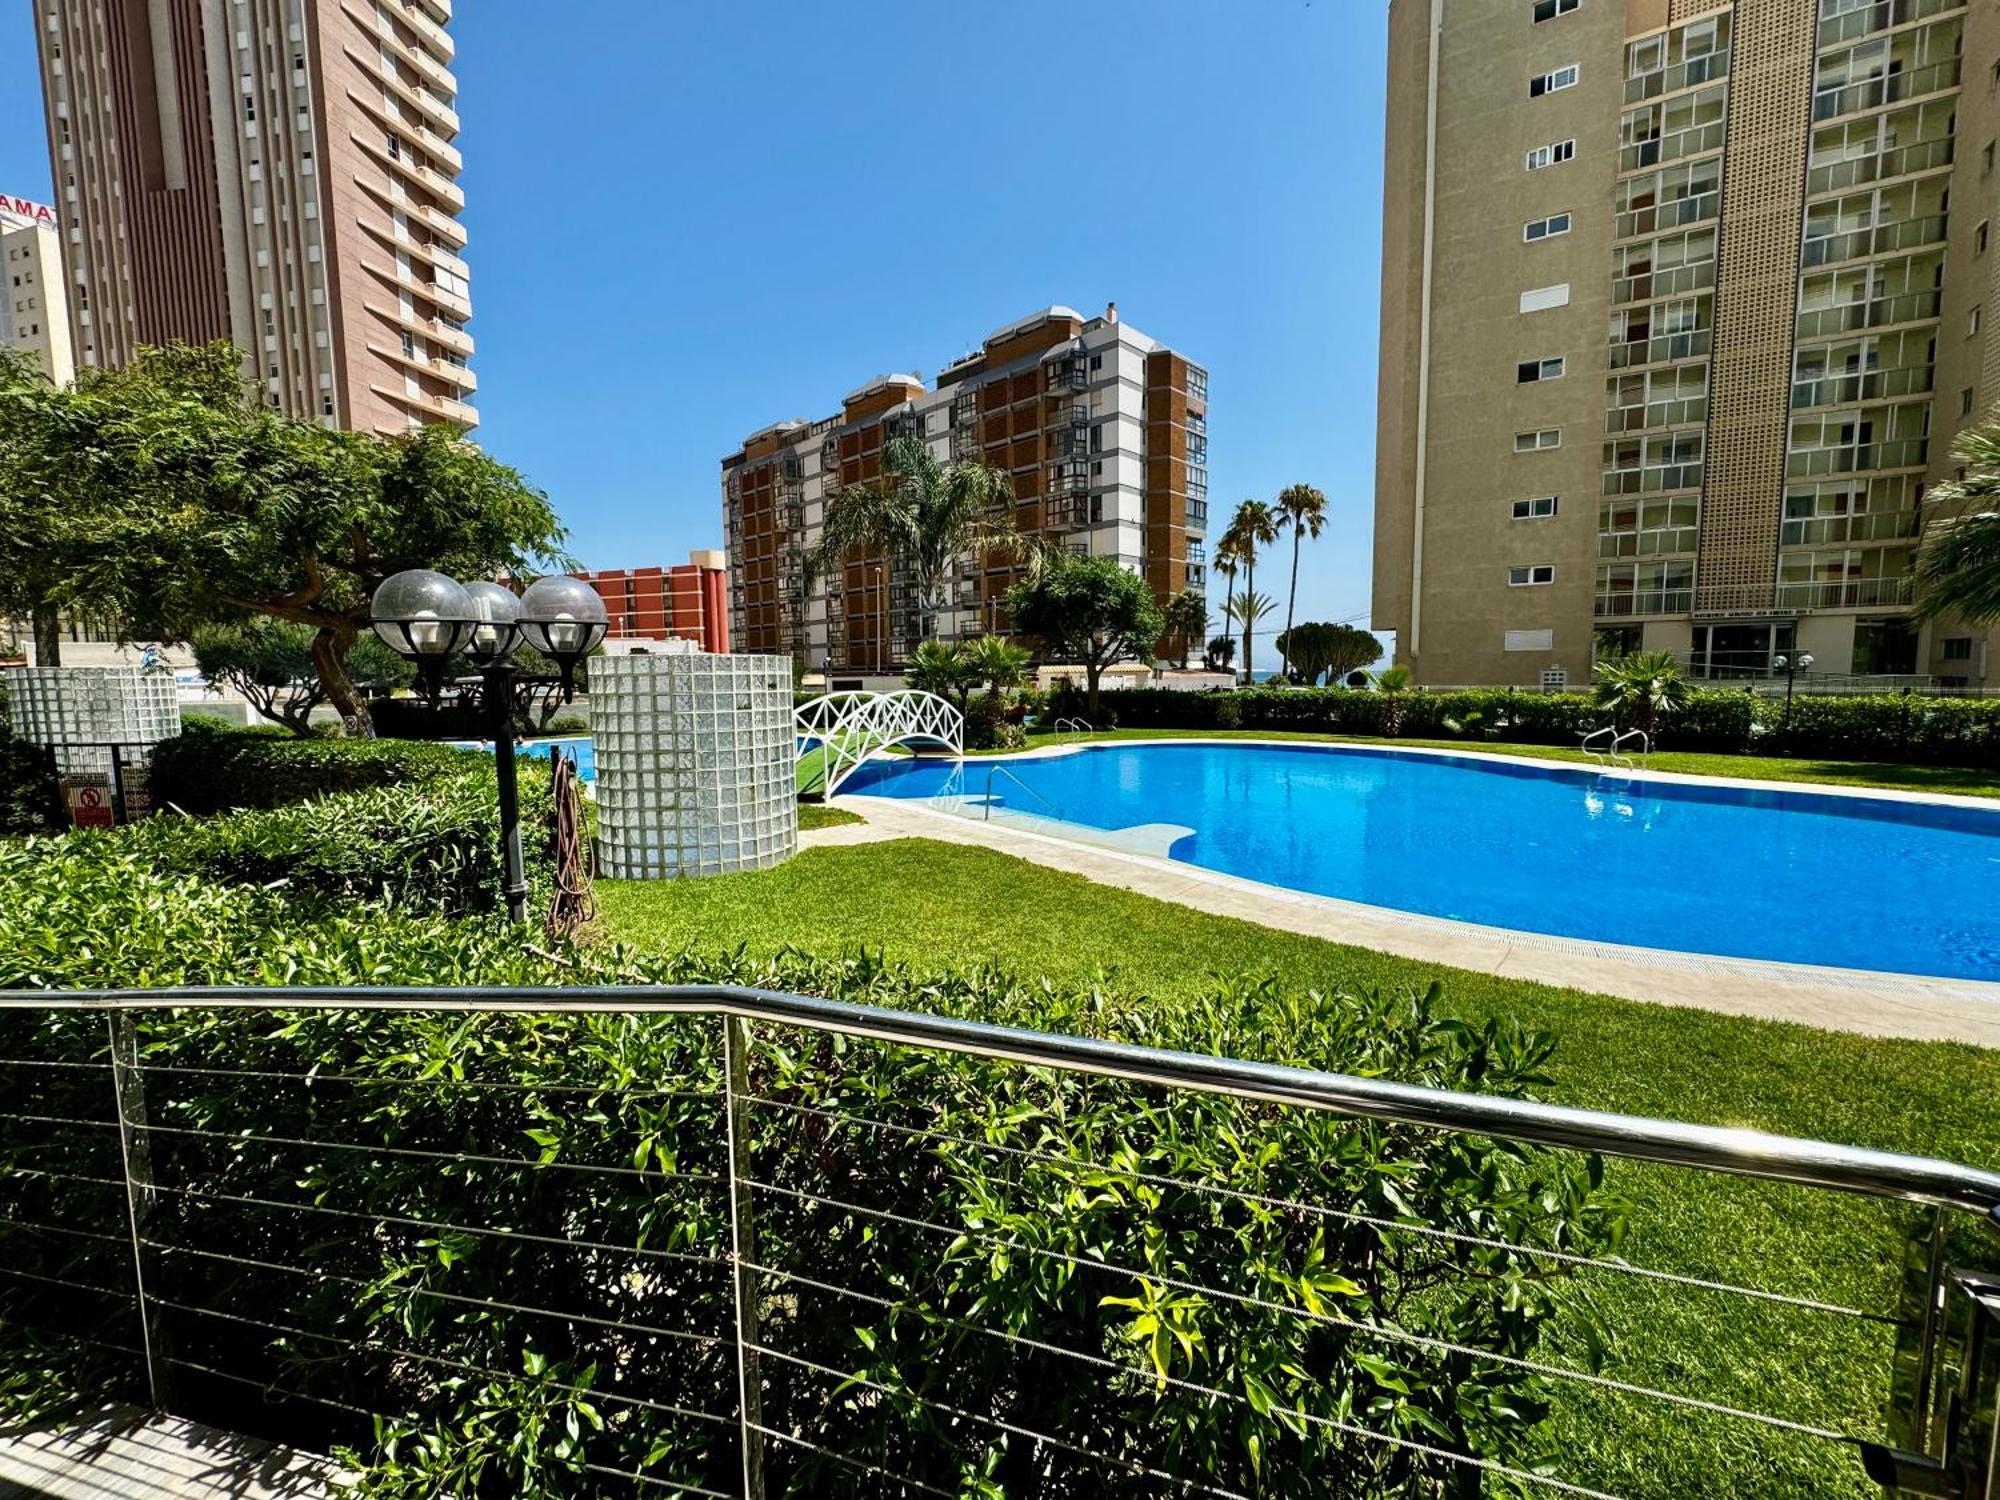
{"points": [[1965, 402], [1552, 83], [1097, 438], [1542, 229], [1548, 10], [395, 147], [1542, 298], [1555, 679], [1539, 508], [1539, 369], [1096, 361], [1986, 160], [1972, 322], [1958, 648], [1528, 640], [1979, 238], [1535, 442], [1552, 155], [1531, 577]]}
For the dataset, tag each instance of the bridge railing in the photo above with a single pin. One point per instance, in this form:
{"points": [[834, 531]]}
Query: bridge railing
{"points": [[843, 730], [725, 1241]]}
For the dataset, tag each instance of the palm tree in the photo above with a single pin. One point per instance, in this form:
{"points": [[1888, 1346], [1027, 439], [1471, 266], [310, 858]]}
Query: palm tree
{"points": [[1641, 689], [1302, 511], [1254, 525], [1958, 569], [1392, 683], [945, 670], [1187, 621], [1228, 562], [1245, 611], [924, 516]]}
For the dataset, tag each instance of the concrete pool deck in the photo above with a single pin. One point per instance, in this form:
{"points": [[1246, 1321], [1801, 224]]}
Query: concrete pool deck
{"points": [[1856, 1000]]}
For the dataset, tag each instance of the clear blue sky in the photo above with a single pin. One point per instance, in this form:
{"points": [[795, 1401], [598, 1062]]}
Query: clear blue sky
{"points": [[688, 220]]}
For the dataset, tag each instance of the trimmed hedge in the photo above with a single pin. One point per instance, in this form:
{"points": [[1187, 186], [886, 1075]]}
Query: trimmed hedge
{"points": [[213, 767], [1888, 727]]}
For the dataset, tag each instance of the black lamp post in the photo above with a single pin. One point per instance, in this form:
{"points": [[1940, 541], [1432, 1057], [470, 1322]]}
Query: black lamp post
{"points": [[1791, 664], [426, 617]]}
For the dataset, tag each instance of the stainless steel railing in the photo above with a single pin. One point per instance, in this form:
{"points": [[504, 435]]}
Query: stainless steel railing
{"points": [[676, 1271]]}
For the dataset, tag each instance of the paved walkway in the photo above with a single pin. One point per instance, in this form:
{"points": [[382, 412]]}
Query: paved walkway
{"points": [[1887, 1005], [126, 1454]]}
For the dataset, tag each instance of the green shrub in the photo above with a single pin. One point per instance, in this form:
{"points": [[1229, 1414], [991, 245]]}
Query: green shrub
{"points": [[1906, 727], [209, 770], [30, 800], [607, 1130], [564, 726]]}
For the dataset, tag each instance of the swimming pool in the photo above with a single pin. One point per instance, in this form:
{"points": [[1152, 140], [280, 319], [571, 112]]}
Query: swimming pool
{"points": [[582, 750], [1856, 882]]}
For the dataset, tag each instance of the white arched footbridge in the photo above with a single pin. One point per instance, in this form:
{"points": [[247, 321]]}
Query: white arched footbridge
{"points": [[847, 729]]}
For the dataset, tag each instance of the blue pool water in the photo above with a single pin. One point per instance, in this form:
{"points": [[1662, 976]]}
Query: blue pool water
{"points": [[1805, 878], [581, 750]]}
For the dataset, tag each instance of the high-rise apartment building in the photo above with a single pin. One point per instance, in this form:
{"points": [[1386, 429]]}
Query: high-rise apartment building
{"points": [[280, 173], [36, 321], [1102, 431], [1682, 305], [689, 602]]}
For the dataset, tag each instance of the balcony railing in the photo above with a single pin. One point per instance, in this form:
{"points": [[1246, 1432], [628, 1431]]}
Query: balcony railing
{"points": [[1682, 75], [1888, 88], [1675, 413], [1618, 603], [1674, 281], [1842, 390], [1856, 593], [1671, 214], [1904, 234], [1896, 453], [1668, 542], [729, 1259], [1661, 348], [1197, 514], [1910, 307], [1652, 478], [1672, 145], [1868, 526], [1880, 16], [1838, 176], [1066, 377]]}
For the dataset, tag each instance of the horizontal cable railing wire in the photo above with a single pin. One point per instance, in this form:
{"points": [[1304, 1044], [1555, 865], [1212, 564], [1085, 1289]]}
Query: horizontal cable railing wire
{"points": [[666, 1246]]}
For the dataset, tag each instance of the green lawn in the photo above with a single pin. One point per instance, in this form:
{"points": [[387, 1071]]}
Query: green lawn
{"points": [[1964, 783], [937, 904], [819, 815]]}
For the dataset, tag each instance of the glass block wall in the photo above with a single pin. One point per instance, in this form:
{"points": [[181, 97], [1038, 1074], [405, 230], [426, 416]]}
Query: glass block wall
{"points": [[695, 764], [80, 711]]}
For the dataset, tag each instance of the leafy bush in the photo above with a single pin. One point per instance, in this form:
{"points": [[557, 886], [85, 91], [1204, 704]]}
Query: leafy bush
{"points": [[565, 726], [1065, 1209], [30, 800], [209, 770]]}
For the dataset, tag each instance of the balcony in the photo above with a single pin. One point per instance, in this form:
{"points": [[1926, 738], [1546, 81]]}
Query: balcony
{"points": [[1660, 349], [1680, 412], [1682, 75], [1197, 514], [1885, 89], [1672, 542], [1882, 312], [1905, 234], [1067, 442], [1073, 513], [1620, 604], [1901, 161], [1882, 15], [1671, 214], [1671, 145], [1854, 593], [1867, 526], [1844, 390], [1066, 375], [1895, 453], [1673, 281], [1653, 478]]}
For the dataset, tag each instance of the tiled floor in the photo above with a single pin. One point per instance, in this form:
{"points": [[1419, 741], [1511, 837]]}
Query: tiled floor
{"points": [[123, 1454], [1838, 999]]}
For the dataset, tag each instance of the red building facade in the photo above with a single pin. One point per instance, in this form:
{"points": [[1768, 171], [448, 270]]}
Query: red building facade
{"points": [[689, 602]]}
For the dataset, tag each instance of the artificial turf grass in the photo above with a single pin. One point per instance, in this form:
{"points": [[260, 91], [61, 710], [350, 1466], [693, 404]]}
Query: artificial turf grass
{"points": [[819, 815], [1955, 780], [937, 905]]}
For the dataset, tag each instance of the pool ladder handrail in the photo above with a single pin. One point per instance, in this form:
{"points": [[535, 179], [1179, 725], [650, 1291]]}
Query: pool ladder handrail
{"points": [[1075, 726], [1612, 751], [986, 807]]}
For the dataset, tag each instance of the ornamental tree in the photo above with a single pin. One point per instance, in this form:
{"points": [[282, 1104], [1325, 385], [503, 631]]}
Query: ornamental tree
{"points": [[1088, 610], [270, 662], [195, 504], [1314, 648]]}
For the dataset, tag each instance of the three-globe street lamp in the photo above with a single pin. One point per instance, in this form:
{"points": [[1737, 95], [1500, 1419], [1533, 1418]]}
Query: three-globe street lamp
{"points": [[427, 617], [1791, 664]]}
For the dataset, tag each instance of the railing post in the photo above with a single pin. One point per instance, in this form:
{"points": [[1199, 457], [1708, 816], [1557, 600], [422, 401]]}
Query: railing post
{"points": [[135, 1153], [742, 1246]]}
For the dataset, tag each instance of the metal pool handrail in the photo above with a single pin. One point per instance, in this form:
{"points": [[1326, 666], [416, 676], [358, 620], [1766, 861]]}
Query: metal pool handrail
{"points": [[1747, 1153]]}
